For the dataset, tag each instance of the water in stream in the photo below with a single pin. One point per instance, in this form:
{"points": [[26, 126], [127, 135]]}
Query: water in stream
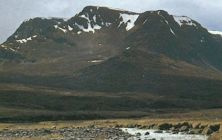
{"points": [[143, 134]]}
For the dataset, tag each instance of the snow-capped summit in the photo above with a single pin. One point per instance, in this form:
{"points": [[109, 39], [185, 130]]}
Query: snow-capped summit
{"points": [[184, 20], [93, 18], [216, 32]]}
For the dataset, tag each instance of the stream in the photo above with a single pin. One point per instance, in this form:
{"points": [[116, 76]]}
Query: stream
{"points": [[144, 134]]}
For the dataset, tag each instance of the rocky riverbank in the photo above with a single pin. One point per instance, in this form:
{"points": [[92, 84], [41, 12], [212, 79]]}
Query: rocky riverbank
{"points": [[67, 133], [93, 132], [105, 129]]}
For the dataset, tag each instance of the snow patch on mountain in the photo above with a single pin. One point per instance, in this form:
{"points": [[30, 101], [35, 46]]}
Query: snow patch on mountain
{"points": [[127, 48], [7, 48], [94, 18], [25, 40], [145, 21], [57, 27], [183, 20], [79, 32], [96, 61], [129, 20], [90, 27], [84, 16], [70, 28], [165, 20], [12, 49], [116, 9], [216, 32], [171, 30], [3, 46]]}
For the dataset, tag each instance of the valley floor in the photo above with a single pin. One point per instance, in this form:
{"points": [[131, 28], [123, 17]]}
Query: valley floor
{"points": [[32, 105]]}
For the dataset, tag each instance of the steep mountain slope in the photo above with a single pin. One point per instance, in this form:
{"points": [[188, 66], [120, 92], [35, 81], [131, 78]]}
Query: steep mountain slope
{"points": [[177, 37], [89, 36], [169, 61]]}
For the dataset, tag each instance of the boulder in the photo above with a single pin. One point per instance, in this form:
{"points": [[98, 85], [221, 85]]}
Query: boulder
{"points": [[158, 131], [184, 129], [215, 127], [197, 126], [195, 131], [207, 131], [131, 126], [165, 126]]}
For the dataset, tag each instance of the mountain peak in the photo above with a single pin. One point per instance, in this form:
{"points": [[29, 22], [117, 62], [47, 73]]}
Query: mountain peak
{"points": [[93, 18], [103, 8]]}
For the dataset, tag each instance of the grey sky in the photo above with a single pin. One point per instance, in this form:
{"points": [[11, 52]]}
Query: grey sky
{"points": [[13, 12]]}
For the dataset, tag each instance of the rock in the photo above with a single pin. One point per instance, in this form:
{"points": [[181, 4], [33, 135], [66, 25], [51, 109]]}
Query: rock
{"points": [[155, 126], [175, 132], [131, 126], [138, 126], [211, 129], [189, 126], [151, 126], [46, 131], [207, 131], [117, 126], [195, 131], [147, 133], [172, 128], [191, 132], [197, 126], [203, 126], [165, 126], [183, 126], [158, 131], [142, 127], [184, 129], [215, 127], [92, 126]]}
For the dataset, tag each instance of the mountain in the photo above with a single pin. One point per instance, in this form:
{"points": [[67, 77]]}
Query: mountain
{"points": [[112, 60]]}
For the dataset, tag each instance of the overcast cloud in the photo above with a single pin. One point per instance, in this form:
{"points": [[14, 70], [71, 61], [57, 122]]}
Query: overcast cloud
{"points": [[13, 12]]}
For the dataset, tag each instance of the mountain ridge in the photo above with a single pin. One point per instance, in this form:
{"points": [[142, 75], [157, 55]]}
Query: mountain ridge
{"points": [[182, 20], [132, 27]]}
